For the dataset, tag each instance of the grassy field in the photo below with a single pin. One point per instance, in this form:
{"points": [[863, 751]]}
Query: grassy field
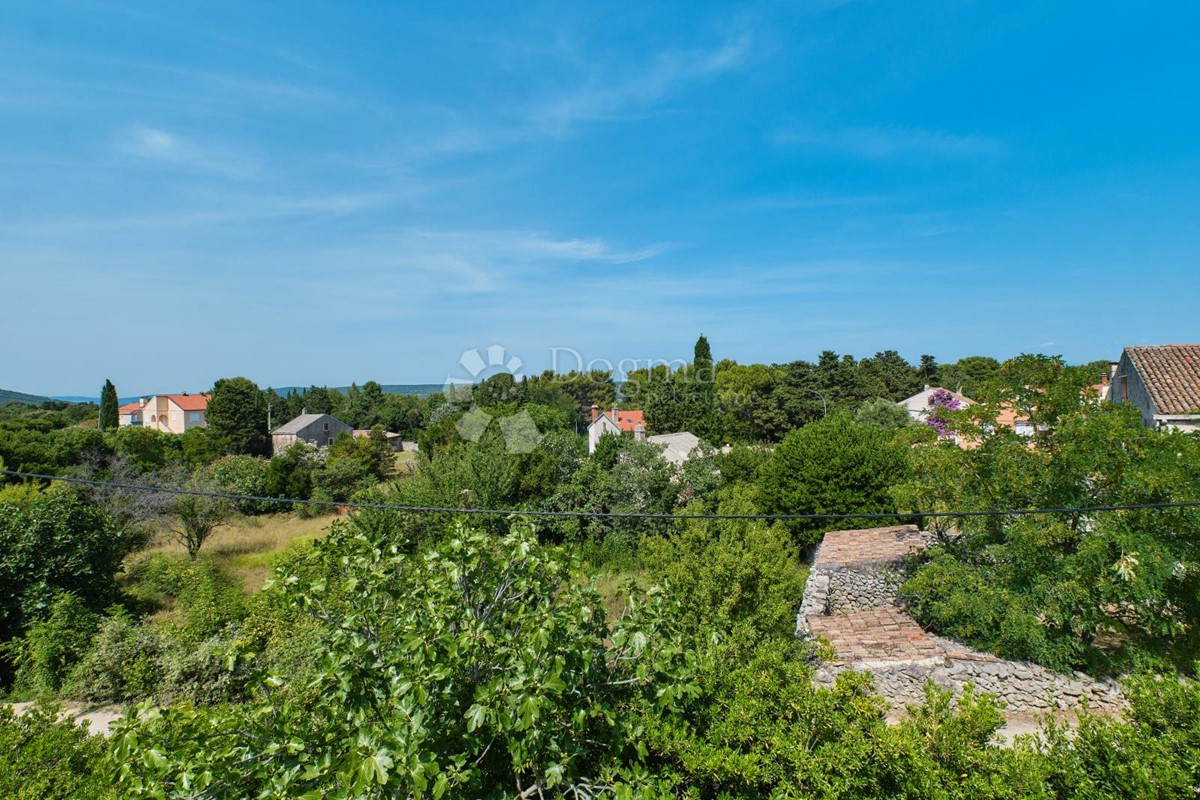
{"points": [[247, 545]]}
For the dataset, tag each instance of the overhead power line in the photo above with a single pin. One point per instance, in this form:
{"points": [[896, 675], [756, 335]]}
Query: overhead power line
{"points": [[1008, 512]]}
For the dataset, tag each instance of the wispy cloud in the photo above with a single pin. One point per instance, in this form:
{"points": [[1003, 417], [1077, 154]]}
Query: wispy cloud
{"points": [[603, 99], [881, 142], [157, 145]]}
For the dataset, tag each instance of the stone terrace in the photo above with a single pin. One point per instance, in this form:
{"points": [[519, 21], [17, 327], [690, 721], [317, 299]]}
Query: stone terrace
{"points": [[844, 548], [850, 601]]}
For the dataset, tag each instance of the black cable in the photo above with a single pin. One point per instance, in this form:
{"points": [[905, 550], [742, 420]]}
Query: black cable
{"points": [[1010, 512]]}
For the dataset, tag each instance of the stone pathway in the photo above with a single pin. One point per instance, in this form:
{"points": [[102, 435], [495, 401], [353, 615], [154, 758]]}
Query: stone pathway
{"points": [[850, 601], [97, 718], [877, 634]]}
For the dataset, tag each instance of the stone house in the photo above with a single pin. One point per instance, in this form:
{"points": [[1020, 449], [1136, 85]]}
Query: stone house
{"points": [[1163, 381], [321, 430]]}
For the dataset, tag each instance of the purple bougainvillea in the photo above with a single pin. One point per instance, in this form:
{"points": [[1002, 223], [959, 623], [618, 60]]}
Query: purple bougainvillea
{"points": [[940, 399]]}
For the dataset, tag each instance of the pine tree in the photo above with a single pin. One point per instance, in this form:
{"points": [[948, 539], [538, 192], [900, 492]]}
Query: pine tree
{"points": [[109, 413], [928, 371], [706, 422]]}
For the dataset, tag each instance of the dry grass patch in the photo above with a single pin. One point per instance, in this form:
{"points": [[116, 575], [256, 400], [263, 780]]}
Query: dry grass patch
{"points": [[247, 546]]}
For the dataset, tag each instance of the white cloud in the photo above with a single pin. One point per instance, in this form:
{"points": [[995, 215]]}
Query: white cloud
{"points": [[155, 144], [603, 99], [889, 141]]}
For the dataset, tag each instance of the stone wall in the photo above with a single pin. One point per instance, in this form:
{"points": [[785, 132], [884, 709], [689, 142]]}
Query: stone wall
{"points": [[850, 600], [1023, 687], [857, 570]]}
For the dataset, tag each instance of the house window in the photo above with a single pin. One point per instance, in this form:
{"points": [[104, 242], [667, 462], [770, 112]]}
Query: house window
{"points": [[1124, 387], [325, 426], [193, 416]]}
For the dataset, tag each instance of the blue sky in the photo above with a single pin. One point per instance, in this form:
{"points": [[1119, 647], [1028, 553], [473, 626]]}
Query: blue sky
{"points": [[326, 193]]}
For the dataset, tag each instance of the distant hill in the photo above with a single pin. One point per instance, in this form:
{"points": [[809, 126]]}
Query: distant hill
{"points": [[418, 389], [9, 396]]}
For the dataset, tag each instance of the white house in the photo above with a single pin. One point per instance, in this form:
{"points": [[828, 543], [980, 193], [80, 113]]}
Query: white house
{"points": [[613, 423]]}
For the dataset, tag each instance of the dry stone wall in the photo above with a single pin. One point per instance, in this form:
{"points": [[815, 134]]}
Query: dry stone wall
{"points": [[850, 600]]}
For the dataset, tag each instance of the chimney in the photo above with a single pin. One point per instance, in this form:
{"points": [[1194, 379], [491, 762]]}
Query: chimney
{"points": [[927, 387], [616, 419], [639, 432], [1104, 380], [142, 401], [595, 412]]}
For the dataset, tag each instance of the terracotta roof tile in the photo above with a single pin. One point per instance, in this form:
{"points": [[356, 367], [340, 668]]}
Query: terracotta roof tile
{"points": [[1171, 374], [190, 402]]}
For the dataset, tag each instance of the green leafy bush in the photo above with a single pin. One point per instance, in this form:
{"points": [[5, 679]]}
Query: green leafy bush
{"points": [[51, 647], [834, 466], [209, 672], [730, 573], [53, 544], [245, 475], [45, 759], [126, 662], [470, 670], [208, 600]]}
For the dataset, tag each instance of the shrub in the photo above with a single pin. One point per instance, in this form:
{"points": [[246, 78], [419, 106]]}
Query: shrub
{"points": [[51, 647], [247, 475], [731, 573], [209, 599], [834, 466], [210, 672], [53, 544], [958, 600], [125, 663], [45, 759]]}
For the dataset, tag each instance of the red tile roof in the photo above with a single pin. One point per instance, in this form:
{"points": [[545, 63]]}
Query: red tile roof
{"points": [[129, 408], [628, 420], [1171, 374], [190, 402]]}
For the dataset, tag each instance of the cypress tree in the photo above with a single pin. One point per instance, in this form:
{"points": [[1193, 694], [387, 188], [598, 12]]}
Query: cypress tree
{"points": [[109, 414]]}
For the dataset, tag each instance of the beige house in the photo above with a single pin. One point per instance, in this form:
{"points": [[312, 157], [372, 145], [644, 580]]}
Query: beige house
{"points": [[1163, 381], [169, 413]]}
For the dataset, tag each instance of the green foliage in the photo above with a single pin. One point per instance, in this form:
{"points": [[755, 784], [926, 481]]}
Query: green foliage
{"points": [[205, 598], [208, 600], [742, 463], [200, 447], [110, 416], [45, 759], [237, 418], [353, 465], [1150, 754], [622, 476], [146, 449], [835, 466], [205, 673], [245, 475], [1073, 590], [687, 400], [53, 544], [50, 647], [884, 413], [457, 673], [760, 728], [126, 662], [730, 574]]}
